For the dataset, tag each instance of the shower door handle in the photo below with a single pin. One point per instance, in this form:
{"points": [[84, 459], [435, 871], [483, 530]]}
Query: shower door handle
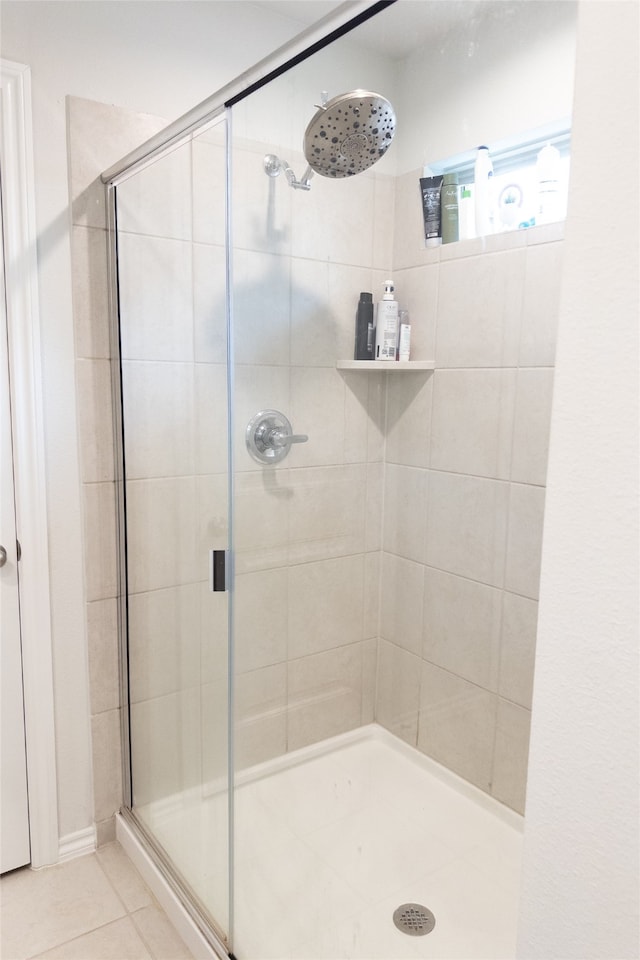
{"points": [[218, 571]]}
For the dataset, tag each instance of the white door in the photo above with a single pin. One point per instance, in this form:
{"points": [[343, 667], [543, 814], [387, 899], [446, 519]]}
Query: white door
{"points": [[14, 811]]}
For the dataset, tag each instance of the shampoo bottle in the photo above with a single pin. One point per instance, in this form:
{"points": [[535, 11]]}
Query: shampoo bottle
{"points": [[364, 328], [483, 172], [387, 324]]}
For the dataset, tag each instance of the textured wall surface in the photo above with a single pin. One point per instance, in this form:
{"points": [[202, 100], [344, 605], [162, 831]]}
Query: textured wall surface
{"points": [[581, 883]]}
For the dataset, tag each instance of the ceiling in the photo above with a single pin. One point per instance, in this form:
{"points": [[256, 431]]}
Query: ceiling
{"points": [[407, 25]]}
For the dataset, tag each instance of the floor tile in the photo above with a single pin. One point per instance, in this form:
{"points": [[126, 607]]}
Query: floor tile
{"points": [[123, 875], [73, 898], [159, 935], [115, 941]]}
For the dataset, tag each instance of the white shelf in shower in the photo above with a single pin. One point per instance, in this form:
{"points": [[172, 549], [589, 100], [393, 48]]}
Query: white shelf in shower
{"points": [[388, 366]]}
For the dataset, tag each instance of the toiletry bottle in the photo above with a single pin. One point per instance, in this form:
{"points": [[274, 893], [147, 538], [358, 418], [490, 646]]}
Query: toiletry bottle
{"points": [[449, 207], [466, 213], [387, 324], [364, 328], [430, 189], [548, 177], [404, 338], [483, 181]]}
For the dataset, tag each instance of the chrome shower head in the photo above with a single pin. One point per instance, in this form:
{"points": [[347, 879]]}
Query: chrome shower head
{"points": [[349, 134], [346, 136]]}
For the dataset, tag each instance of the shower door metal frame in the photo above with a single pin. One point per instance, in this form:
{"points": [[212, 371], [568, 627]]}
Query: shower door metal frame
{"points": [[345, 19], [215, 937]]}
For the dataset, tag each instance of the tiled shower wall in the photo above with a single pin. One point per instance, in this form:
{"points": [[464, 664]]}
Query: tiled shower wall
{"points": [[465, 468], [467, 444]]}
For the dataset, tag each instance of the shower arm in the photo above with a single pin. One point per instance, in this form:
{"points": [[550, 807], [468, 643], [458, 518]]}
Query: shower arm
{"points": [[274, 165]]}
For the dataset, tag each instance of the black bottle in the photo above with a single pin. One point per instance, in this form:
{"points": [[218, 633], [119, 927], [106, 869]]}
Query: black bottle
{"points": [[365, 331]]}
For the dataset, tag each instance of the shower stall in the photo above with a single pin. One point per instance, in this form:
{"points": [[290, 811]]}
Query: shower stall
{"points": [[328, 571]]}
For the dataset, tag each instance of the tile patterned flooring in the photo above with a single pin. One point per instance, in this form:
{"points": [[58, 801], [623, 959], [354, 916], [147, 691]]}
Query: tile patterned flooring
{"points": [[94, 907]]}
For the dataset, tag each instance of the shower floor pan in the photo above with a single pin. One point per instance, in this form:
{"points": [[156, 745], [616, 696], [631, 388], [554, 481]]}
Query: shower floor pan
{"points": [[332, 839]]}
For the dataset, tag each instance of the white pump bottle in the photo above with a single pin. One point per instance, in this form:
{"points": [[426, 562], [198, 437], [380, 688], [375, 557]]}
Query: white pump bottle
{"points": [[387, 324]]}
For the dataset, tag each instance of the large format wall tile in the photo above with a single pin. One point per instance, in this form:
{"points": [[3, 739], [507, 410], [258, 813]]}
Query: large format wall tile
{"points": [[162, 523], [261, 518], [524, 547], [398, 691], [259, 388], [156, 299], [157, 201], [457, 724], [107, 763], [479, 310], [401, 602], [164, 641], [409, 403], [317, 409], [473, 421], [325, 605], [325, 695], [261, 308], [261, 715], [159, 415], [462, 627], [517, 648], [327, 510], [261, 619], [334, 220], [405, 511], [261, 206], [208, 188], [90, 292], [417, 292], [100, 541], [209, 303], [532, 425], [166, 745], [104, 677], [509, 779], [467, 526], [540, 302], [95, 420]]}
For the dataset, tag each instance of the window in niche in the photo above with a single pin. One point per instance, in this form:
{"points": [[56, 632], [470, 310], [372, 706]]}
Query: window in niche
{"points": [[522, 169]]}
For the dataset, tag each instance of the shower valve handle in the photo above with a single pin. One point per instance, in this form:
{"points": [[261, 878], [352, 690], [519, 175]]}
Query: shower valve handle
{"points": [[269, 436], [277, 438]]}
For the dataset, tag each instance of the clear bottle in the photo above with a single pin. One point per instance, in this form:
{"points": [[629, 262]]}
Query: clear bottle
{"points": [[387, 324], [404, 336], [449, 208], [483, 172], [548, 177], [466, 212]]}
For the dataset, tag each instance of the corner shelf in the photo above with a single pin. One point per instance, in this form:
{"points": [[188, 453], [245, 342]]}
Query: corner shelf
{"points": [[387, 366]]}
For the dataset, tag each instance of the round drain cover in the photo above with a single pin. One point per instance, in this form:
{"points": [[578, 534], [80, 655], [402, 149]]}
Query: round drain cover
{"points": [[414, 919]]}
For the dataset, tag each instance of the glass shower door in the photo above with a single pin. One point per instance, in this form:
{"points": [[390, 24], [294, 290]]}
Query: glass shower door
{"points": [[173, 346]]}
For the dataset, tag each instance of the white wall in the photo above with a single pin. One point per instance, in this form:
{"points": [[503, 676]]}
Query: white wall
{"points": [[581, 890], [507, 70], [153, 57]]}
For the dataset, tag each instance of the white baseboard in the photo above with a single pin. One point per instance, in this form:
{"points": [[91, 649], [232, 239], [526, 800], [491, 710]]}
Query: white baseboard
{"points": [[77, 844]]}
